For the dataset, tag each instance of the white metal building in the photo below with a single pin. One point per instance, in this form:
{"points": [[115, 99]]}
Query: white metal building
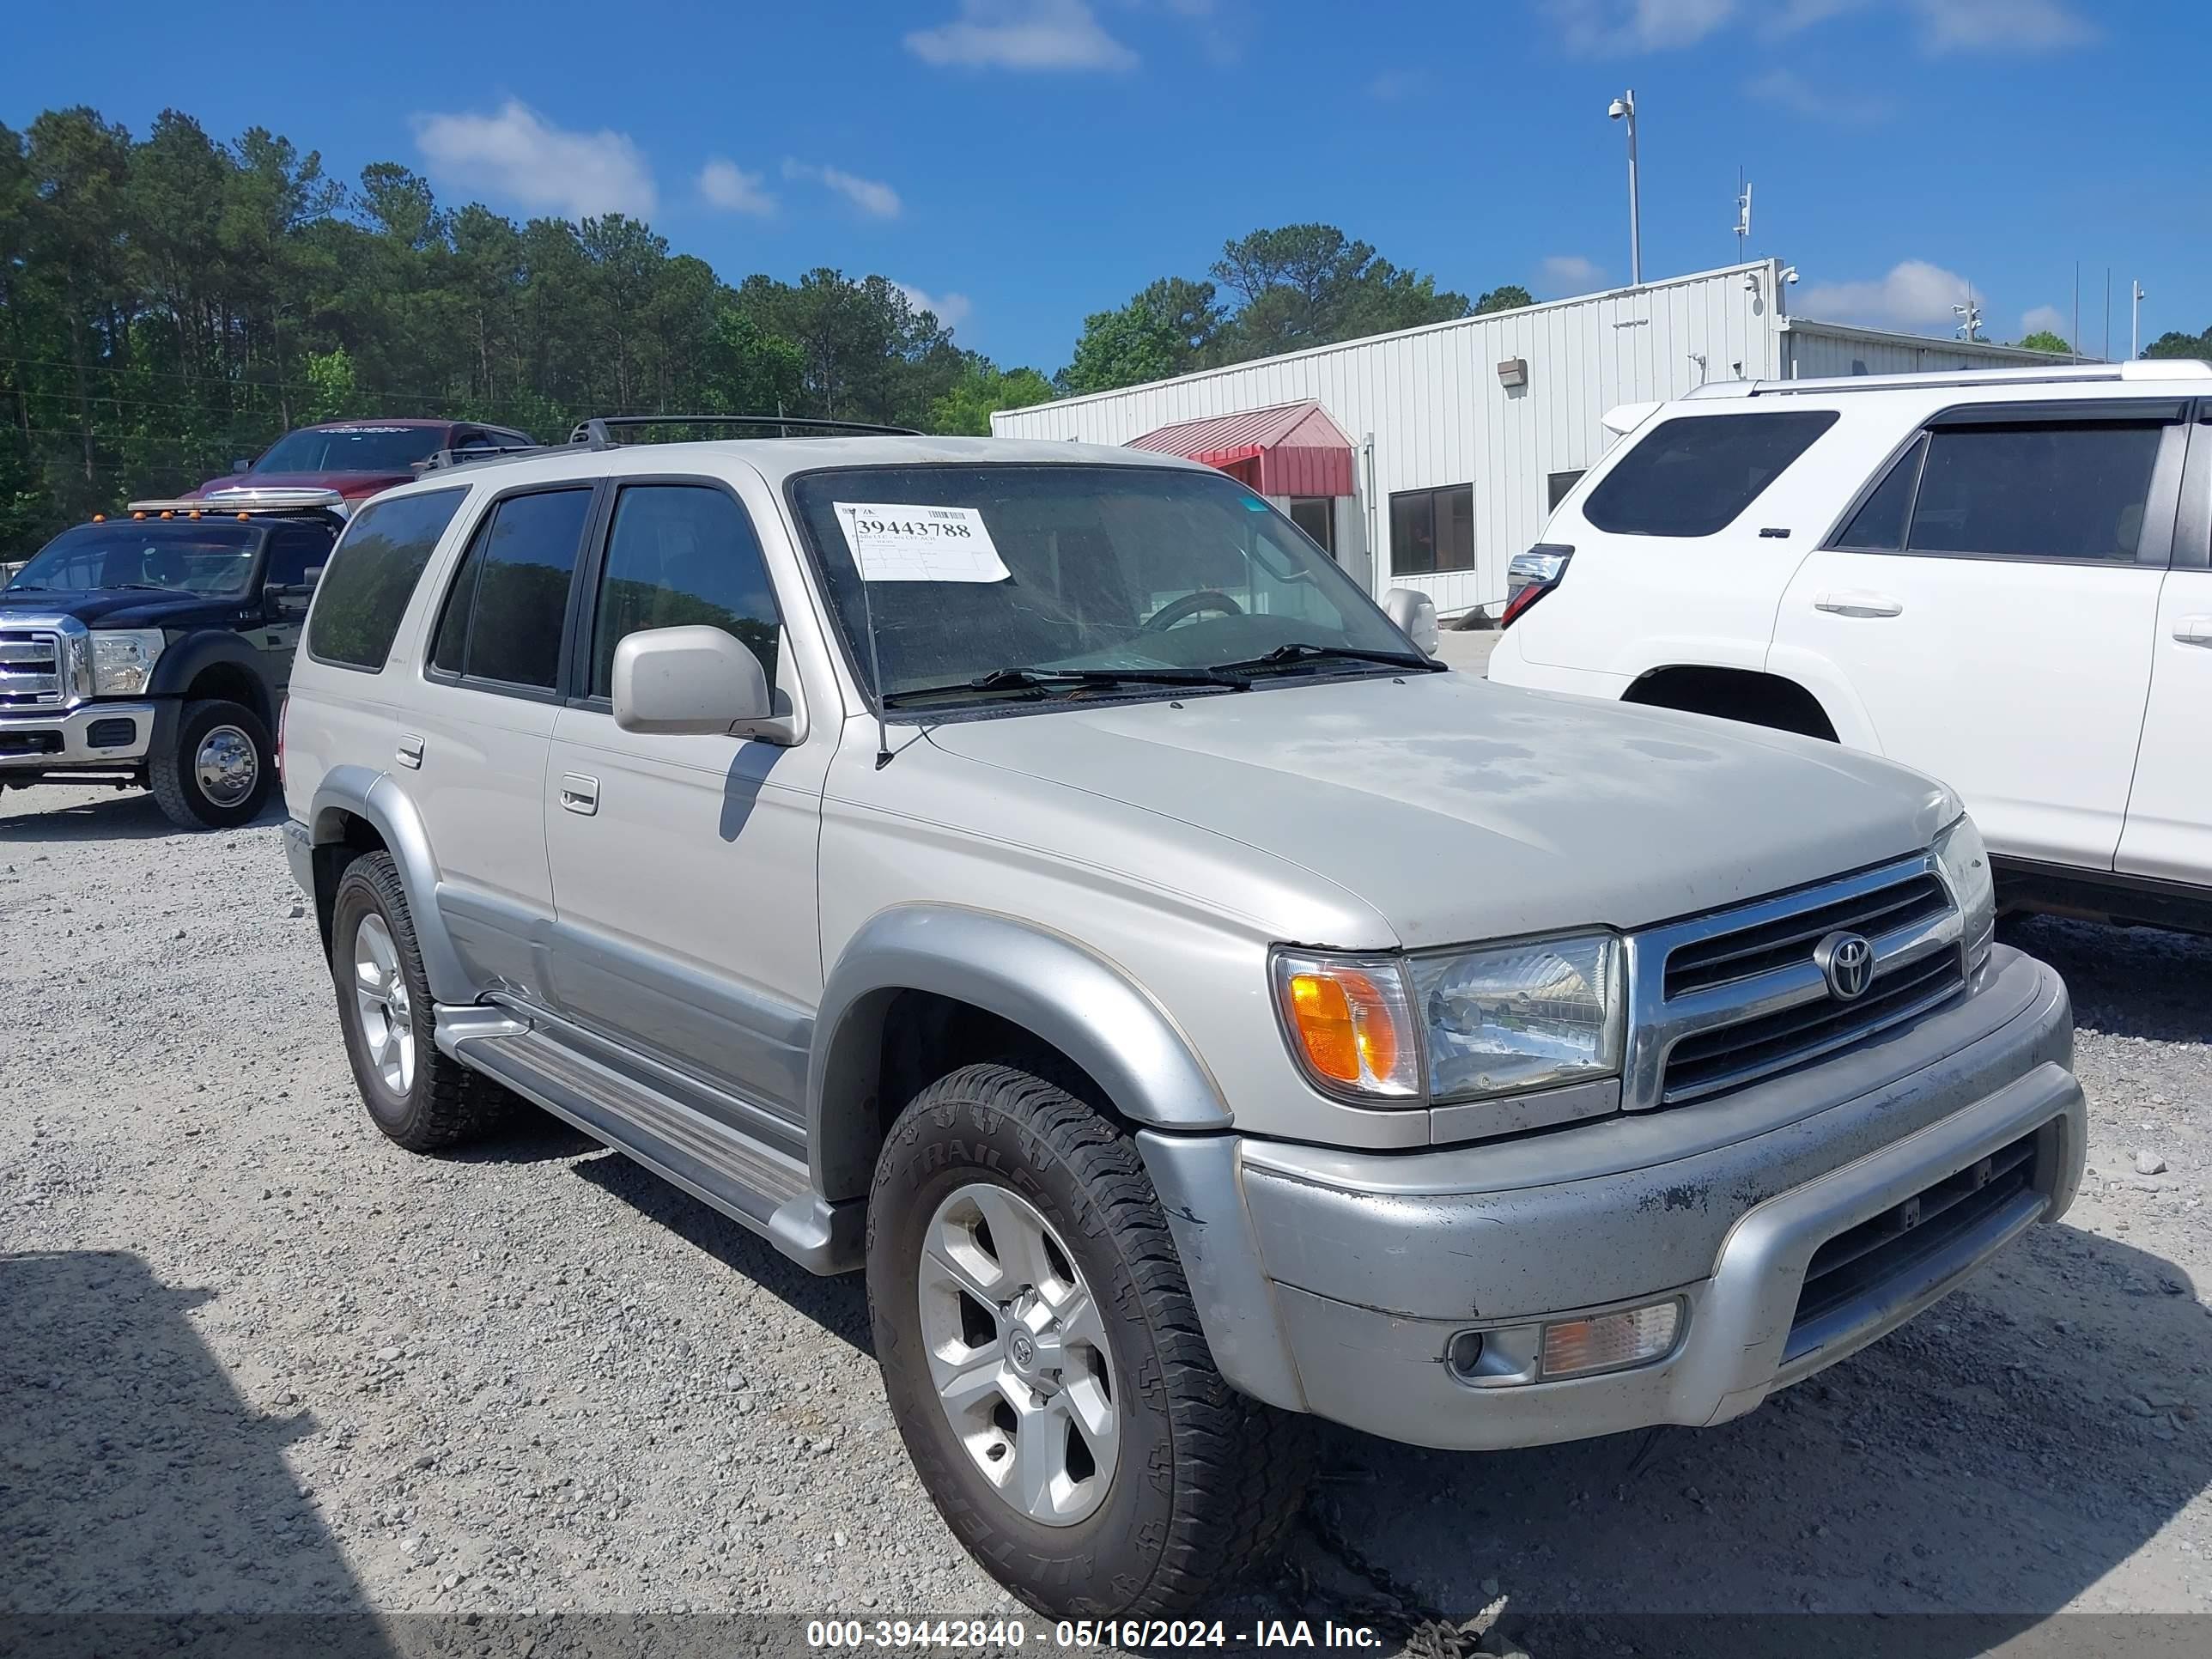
{"points": [[1463, 436]]}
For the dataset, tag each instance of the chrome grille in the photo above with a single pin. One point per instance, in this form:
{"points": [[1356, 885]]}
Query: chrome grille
{"points": [[1722, 1001], [31, 668], [1758, 949]]}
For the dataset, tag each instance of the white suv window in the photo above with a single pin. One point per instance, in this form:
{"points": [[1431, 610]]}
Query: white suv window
{"points": [[2024, 490], [1693, 475]]}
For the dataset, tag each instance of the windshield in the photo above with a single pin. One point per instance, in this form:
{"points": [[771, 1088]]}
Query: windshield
{"points": [[981, 571], [352, 449], [215, 560]]}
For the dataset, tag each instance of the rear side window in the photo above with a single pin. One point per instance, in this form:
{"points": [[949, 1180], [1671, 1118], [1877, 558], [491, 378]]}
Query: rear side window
{"points": [[2036, 492], [1693, 475], [681, 555], [372, 575], [503, 617]]}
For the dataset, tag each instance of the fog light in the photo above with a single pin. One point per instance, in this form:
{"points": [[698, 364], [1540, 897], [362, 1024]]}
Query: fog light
{"points": [[1607, 1342], [1464, 1353]]}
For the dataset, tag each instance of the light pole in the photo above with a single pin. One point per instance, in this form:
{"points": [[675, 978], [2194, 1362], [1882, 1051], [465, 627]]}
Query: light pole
{"points": [[1623, 108], [2135, 297]]}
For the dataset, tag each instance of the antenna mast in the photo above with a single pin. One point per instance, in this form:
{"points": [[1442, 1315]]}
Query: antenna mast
{"points": [[1742, 216]]}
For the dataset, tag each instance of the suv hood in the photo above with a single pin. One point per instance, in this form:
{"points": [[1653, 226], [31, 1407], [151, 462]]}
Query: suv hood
{"points": [[125, 607], [1459, 810]]}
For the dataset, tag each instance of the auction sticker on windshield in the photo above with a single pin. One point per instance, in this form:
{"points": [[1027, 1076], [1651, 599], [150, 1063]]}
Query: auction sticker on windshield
{"points": [[892, 542]]}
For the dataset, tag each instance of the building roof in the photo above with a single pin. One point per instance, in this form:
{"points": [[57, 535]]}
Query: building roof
{"points": [[1286, 449]]}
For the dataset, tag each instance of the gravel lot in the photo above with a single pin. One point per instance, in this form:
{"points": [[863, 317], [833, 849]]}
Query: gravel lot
{"points": [[255, 1359]]}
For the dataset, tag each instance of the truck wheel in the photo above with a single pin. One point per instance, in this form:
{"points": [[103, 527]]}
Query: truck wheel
{"points": [[1045, 1362], [417, 1095], [216, 772]]}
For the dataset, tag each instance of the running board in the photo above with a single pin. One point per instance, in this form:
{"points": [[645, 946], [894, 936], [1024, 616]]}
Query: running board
{"points": [[767, 1190]]}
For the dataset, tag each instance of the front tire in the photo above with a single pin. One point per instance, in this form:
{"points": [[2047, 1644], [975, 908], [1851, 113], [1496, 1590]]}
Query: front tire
{"points": [[420, 1098], [1045, 1362], [216, 772]]}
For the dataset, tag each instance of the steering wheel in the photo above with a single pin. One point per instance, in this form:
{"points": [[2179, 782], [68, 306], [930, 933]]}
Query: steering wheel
{"points": [[1190, 605]]}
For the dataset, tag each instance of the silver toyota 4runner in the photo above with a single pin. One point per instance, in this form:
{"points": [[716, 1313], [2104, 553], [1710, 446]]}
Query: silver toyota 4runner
{"points": [[1034, 874]]}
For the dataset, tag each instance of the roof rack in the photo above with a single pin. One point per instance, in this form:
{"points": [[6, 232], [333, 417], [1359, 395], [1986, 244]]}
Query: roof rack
{"points": [[2151, 368], [240, 500], [598, 430], [598, 433]]}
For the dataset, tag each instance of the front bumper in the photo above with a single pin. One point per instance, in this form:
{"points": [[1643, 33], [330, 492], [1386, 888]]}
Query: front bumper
{"points": [[1335, 1282], [56, 739]]}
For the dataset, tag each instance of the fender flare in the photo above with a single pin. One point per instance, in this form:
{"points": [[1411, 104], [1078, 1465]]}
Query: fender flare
{"points": [[1056, 988], [373, 797], [175, 670]]}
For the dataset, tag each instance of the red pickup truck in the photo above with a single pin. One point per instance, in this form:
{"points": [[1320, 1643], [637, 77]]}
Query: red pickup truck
{"points": [[357, 458]]}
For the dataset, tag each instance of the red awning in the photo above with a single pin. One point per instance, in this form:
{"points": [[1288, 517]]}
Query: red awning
{"points": [[1292, 449]]}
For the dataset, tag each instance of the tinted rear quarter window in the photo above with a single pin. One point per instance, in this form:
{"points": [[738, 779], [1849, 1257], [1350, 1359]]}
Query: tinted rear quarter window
{"points": [[1693, 475], [372, 575]]}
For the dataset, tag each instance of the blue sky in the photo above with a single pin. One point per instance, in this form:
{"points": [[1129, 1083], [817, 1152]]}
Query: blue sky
{"points": [[1022, 163]]}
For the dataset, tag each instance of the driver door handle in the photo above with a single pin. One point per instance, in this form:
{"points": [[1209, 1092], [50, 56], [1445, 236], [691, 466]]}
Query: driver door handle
{"points": [[580, 794], [2193, 630], [1856, 602]]}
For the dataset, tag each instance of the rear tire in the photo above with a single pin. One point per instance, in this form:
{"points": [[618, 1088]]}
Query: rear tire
{"points": [[216, 772], [418, 1096], [1070, 1317]]}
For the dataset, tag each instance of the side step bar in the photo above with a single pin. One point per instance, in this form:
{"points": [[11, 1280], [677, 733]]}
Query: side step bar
{"points": [[768, 1190]]}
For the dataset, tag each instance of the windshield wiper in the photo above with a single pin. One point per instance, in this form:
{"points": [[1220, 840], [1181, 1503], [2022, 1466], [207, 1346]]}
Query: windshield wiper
{"points": [[1036, 682], [1300, 651]]}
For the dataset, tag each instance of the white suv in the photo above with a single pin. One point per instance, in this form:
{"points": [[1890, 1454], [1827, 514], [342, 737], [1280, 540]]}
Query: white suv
{"points": [[2001, 578]]}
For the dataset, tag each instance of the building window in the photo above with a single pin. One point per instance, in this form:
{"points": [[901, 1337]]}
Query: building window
{"points": [[1432, 530], [1557, 484], [1316, 516]]}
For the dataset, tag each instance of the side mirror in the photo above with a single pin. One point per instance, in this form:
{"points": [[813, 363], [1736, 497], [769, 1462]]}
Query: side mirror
{"points": [[1415, 613], [241, 466], [689, 680]]}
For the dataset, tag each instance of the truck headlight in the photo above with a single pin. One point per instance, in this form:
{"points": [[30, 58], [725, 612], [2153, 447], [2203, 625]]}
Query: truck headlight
{"points": [[1513, 1017], [123, 659], [1964, 863]]}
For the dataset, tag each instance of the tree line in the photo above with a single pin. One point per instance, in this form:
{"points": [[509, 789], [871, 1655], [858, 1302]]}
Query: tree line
{"points": [[170, 303]]}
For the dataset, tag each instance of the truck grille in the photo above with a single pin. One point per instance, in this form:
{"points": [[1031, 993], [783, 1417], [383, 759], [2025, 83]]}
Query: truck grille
{"points": [[1785, 939], [1724, 1000], [1852, 1268], [31, 674], [1732, 1055]]}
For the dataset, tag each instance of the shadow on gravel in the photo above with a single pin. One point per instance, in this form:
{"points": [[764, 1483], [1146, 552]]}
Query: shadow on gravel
{"points": [[142, 1502], [127, 815], [1939, 1494], [839, 1305], [529, 1136], [2129, 981]]}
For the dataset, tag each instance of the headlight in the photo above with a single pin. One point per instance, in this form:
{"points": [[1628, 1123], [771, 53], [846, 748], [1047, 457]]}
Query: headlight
{"points": [[1408, 1031], [123, 659], [1965, 866], [1514, 1017]]}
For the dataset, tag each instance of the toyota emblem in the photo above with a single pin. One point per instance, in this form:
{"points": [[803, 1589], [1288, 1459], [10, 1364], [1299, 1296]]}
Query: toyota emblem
{"points": [[1846, 962]]}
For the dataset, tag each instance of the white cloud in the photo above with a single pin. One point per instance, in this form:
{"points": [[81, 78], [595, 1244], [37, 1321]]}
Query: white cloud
{"points": [[949, 309], [2042, 319], [1571, 273], [2000, 25], [730, 187], [1788, 90], [1608, 28], [1915, 295], [1603, 27], [872, 195], [1023, 35], [520, 157]]}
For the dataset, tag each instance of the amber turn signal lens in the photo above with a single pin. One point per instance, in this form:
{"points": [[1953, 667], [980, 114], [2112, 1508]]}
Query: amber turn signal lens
{"points": [[1349, 1021]]}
